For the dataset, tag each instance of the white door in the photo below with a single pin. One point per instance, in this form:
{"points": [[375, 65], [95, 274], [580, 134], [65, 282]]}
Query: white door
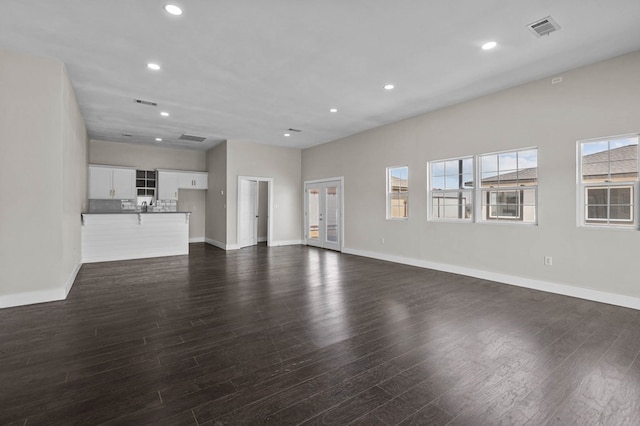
{"points": [[323, 214], [248, 214]]}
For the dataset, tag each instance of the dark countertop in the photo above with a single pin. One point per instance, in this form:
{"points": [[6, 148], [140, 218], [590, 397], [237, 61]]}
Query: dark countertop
{"points": [[135, 212]]}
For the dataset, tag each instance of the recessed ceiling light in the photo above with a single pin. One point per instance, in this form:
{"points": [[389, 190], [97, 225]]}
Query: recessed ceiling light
{"points": [[164, 114], [153, 66], [333, 110], [158, 139], [489, 45], [173, 9], [287, 135], [389, 86]]}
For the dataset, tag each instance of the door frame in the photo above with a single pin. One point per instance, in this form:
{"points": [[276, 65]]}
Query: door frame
{"points": [[269, 207], [341, 199]]}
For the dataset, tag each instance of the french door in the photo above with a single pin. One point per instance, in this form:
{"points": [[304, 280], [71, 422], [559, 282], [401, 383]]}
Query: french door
{"points": [[323, 214]]}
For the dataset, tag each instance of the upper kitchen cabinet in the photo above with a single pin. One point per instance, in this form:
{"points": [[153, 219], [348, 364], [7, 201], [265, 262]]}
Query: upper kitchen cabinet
{"points": [[169, 181], [167, 185], [193, 180], [106, 183]]}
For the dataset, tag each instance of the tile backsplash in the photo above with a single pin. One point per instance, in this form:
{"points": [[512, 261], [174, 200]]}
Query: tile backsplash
{"points": [[165, 206], [118, 206], [109, 206]]}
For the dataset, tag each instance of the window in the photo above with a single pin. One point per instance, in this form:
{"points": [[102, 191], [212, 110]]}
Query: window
{"points": [[609, 182], [451, 189], [145, 186], [397, 192], [509, 186]]}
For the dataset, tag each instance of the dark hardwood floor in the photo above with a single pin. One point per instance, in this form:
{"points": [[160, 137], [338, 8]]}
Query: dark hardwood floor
{"points": [[298, 335]]}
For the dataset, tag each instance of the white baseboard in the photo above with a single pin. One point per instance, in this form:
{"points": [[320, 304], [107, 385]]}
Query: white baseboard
{"points": [[197, 240], [286, 243], [550, 287], [215, 243], [40, 296], [71, 279], [32, 297], [224, 246]]}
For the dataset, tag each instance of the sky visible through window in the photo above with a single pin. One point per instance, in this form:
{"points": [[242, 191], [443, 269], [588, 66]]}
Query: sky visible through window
{"points": [[589, 148]]}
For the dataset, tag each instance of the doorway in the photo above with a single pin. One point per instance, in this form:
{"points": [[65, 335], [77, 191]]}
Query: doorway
{"points": [[323, 213], [254, 210]]}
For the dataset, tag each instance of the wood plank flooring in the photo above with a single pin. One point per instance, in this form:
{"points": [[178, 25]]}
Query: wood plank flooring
{"points": [[298, 335]]}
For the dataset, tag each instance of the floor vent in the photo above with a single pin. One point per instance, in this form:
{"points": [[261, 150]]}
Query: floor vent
{"points": [[543, 26], [295, 130], [191, 138], [141, 102]]}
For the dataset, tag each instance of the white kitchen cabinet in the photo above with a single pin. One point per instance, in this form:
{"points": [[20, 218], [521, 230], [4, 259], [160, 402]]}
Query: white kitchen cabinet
{"points": [[167, 185], [106, 183], [193, 180], [169, 181]]}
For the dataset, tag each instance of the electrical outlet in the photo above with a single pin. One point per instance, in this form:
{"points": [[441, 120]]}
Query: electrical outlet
{"points": [[548, 260]]}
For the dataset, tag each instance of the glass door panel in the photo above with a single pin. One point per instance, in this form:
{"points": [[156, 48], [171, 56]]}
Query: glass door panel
{"points": [[331, 197], [323, 215], [313, 213]]}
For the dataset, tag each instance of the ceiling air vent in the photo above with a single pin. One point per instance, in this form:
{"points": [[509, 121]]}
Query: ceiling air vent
{"points": [[141, 102], [191, 138], [543, 26]]}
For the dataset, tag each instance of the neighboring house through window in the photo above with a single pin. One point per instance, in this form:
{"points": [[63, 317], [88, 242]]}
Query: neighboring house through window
{"points": [[397, 192], [509, 186], [451, 189], [608, 182]]}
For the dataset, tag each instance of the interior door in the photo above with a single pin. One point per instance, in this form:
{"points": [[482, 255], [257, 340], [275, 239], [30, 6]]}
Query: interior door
{"points": [[248, 213], [323, 214]]}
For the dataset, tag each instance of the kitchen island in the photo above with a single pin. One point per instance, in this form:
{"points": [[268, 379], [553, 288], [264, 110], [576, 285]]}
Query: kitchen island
{"points": [[134, 235]]}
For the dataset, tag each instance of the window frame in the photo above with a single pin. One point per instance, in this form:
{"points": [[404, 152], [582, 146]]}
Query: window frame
{"points": [[519, 188], [457, 191], [583, 187], [518, 203], [389, 193]]}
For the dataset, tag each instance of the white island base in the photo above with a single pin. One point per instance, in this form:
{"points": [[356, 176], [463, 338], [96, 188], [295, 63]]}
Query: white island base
{"points": [[120, 236]]}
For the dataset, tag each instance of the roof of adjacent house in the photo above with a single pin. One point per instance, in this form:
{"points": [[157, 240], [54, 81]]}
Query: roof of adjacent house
{"points": [[618, 162]]}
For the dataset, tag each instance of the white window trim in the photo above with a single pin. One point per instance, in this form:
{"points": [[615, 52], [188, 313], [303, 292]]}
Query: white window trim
{"points": [[587, 187], [388, 193], [430, 192], [478, 186], [581, 189]]}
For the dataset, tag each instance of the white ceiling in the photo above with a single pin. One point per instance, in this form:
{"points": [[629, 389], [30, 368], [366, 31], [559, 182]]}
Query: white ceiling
{"points": [[251, 69]]}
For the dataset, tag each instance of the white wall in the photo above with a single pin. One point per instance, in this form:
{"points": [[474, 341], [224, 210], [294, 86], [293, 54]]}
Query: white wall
{"points": [[595, 101], [75, 146], [42, 158], [216, 217], [144, 157], [283, 165]]}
